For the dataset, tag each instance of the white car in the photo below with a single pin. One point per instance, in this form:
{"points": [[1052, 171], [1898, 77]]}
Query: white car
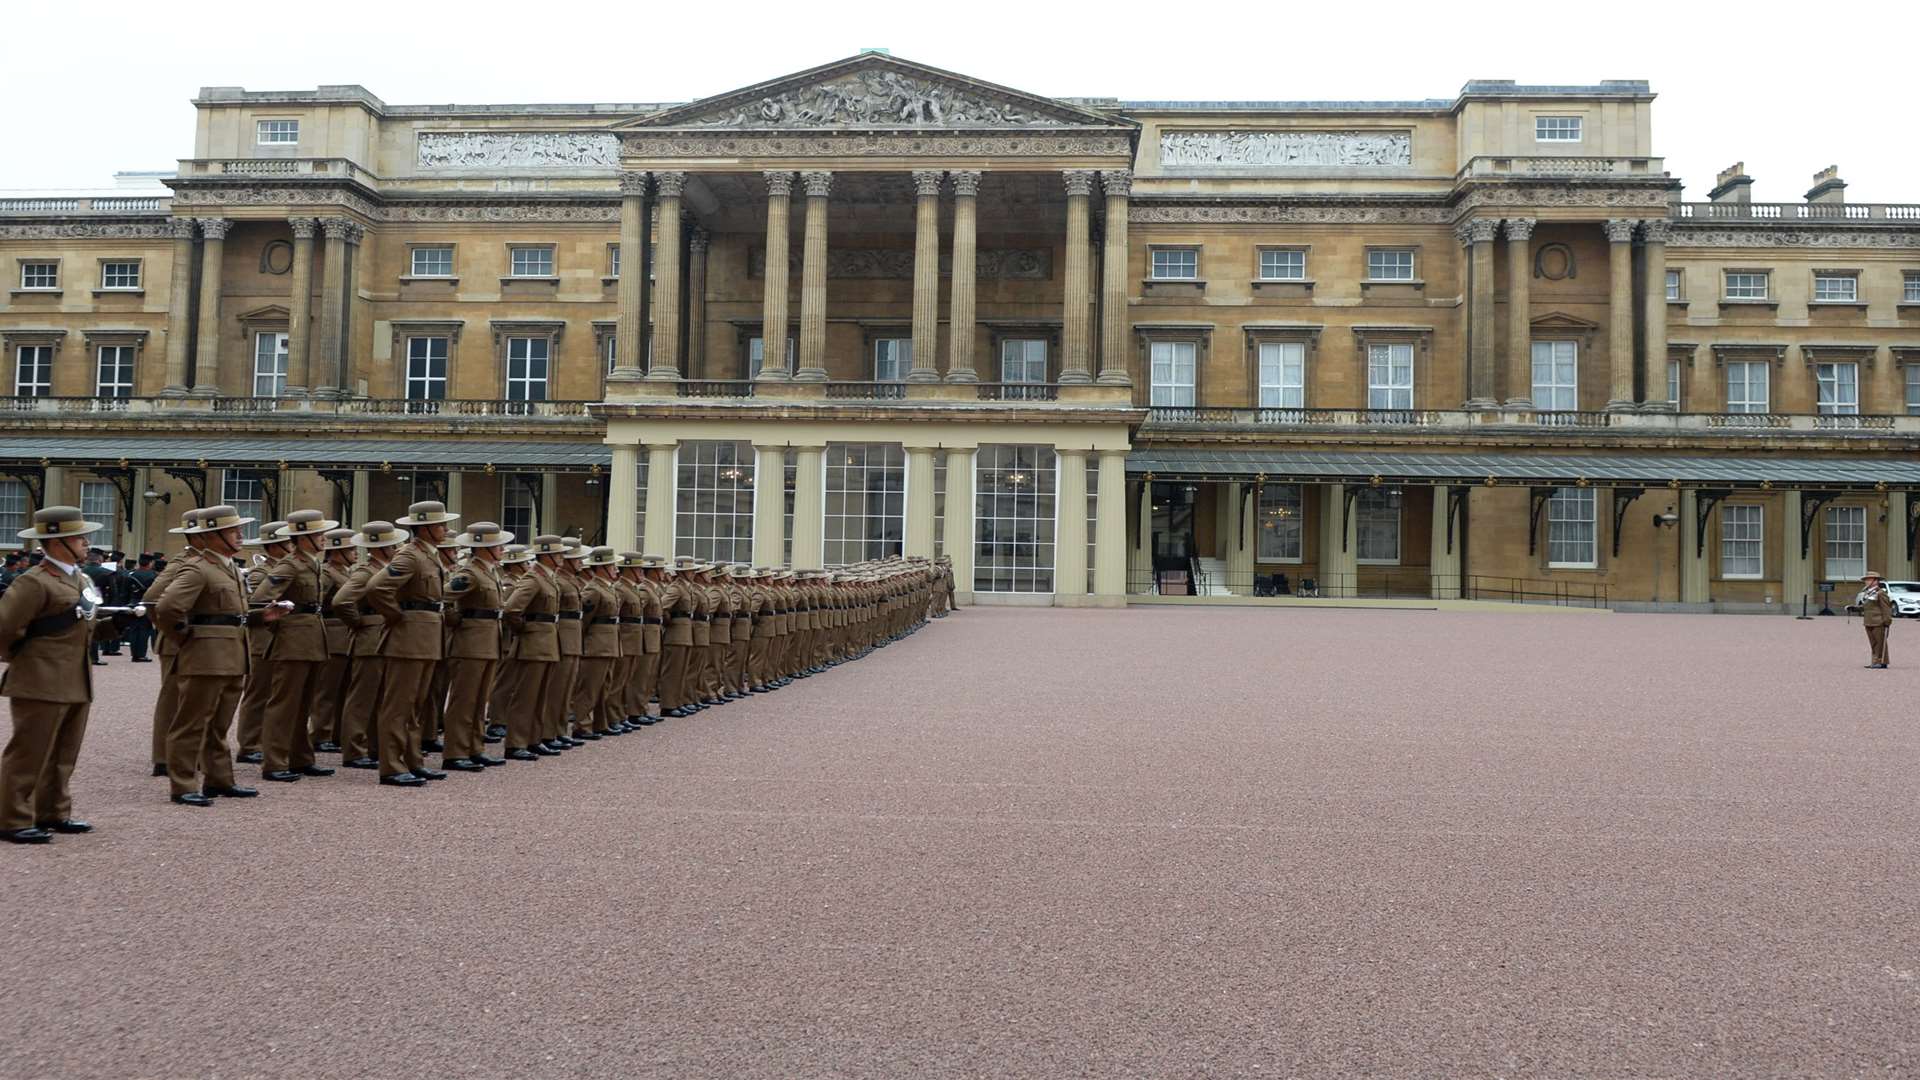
{"points": [[1906, 598]]}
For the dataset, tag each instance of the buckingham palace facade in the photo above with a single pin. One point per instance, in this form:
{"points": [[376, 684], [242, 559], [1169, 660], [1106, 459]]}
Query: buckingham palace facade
{"points": [[1094, 350]]}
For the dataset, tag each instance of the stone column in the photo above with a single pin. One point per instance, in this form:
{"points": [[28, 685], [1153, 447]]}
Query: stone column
{"points": [[1110, 530], [1654, 314], [697, 244], [1693, 567], [1070, 525], [300, 307], [1074, 359], [769, 505], [1243, 544], [919, 523], [666, 279], [660, 498], [360, 504], [926, 290], [1899, 562], [630, 329], [457, 492], [1477, 236], [179, 307], [53, 487], [773, 306], [1339, 559], [957, 544], [1140, 542], [550, 521], [809, 507], [1796, 568], [1443, 563], [1113, 281], [324, 366], [1620, 313], [206, 372], [960, 328], [813, 292], [1519, 313], [622, 512]]}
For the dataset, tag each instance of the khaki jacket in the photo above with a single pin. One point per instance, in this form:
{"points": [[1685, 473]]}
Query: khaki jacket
{"points": [[653, 609], [406, 595], [572, 631], [52, 663], [533, 594], [300, 634], [599, 602], [702, 601], [633, 636], [205, 587], [474, 589], [681, 605], [259, 637], [155, 591], [743, 608], [339, 630], [1875, 610], [361, 623]]}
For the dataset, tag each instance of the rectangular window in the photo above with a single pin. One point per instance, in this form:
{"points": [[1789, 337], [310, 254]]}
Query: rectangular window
{"points": [[39, 275], [527, 367], [1741, 549], [247, 495], [1673, 385], [1023, 360], [613, 260], [1173, 372], [13, 512], [269, 364], [1746, 286], [1014, 518], [1913, 389], [756, 352], [1376, 515], [1746, 386], [100, 501], [432, 262], [1390, 264], [1556, 384], [1281, 525], [427, 369], [33, 371], [609, 352], [1283, 264], [1390, 376], [120, 275], [115, 372], [1176, 264], [1846, 543], [532, 262], [277, 132], [892, 359], [1572, 537], [1283, 375], [1556, 129], [1673, 285], [516, 504], [866, 501], [713, 501], [1839, 388], [1836, 288], [1910, 287]]}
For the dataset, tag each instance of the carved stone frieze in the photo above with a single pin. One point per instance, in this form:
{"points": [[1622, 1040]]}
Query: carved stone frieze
{"points": [[1773, 236], [896, 264], [663, 144], [1656, 230], [876, 98], [1285, 149], [525, 211], [1143, 213], [180, 228], [1648, 198], [248, 195], [517, 150], [90, 230]]}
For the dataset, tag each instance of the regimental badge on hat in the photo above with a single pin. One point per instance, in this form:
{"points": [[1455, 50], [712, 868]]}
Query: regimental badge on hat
{"points": [[340, 539], [602, 556], [381, 534], [307, 523], [56, 522], [548, 544], [630, 560], [484, 534], [269, 534], [427, 513], [187, 521], [216, 518], [515, 554], [654, 562]]}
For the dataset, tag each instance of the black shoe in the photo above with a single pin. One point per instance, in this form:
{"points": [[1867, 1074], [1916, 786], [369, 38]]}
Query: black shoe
{"points": [[250, 757], [405, 779], [327, 747], [432, 746], [26, 836], [193, 798], [361, 763], [230, 792], [280, 776], [71, 826], [588, 736], [316, 770], [159, 769], [425, 773], [568, 742], [96, 663], [521, 755], [496, 732], [491, 762], [143, 659], [461, 764], [543, 750]]}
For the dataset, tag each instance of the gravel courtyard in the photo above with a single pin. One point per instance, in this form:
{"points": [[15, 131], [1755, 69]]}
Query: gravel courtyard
{"points": [[1157, 842]]}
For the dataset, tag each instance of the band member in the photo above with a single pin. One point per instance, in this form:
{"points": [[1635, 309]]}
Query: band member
{"points": [[407, 596], [474, 606], [1876, 614]]}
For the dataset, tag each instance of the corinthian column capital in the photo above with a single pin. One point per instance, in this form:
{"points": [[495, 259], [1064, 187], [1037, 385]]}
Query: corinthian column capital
{"points": [[1656, 230], [633, 182], [1520, 228], [1079, 181], [1620, 230], [779, 183], [214, 228], [336, 228], [926, 182], [181, 228], [304, 227], [1476, 230], [817, 183], [966, 182], [670, 184], [1116, 181], [698, 238]]}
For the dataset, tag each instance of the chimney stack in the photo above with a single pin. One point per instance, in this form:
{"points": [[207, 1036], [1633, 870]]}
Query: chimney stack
{"points": [[1828, 187], [1733, 185]]}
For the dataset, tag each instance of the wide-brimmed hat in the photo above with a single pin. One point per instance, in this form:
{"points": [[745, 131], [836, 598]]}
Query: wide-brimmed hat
{"points": [[602, 556], [55, 522], [1871, 574], [576, 549], [515, 554], [484, 534], [631, 560], [447, 543], [548, 544], [339, 539], [381, 534], [187, 521], [427, 513], [269, 534], [740, 570], [216, 518], [305, 522]]}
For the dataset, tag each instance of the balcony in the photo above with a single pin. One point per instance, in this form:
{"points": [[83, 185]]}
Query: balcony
{"points": [[559, 411], [1557, 165], [279, 167], [85, 205], [1186, 418], [1778, 213]]}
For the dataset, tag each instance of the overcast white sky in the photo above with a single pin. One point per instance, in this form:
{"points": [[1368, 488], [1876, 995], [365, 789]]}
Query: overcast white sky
{"points": [[1788, 89]]}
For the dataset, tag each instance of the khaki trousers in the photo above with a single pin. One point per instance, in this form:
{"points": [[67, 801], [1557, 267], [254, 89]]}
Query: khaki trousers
{"points": [[759, 655], [560, 697], [197, 754], [163, 709], [530, 680], [253, 704], [620, 689], [469, 683], [737, 664], [291, 686], [404, 686], [1877, 641], [673, 675], [591, 681], [329, 693], [500, 699], [362, 705], [645, 683], [36, 769], [434, 721]]}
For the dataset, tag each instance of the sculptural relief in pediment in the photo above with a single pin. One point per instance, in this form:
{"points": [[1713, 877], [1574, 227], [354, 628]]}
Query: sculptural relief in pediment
{"points": [[878, 99]]}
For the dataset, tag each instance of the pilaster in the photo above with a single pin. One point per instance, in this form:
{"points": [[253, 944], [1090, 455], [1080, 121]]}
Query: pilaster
{"points": [[1899, 561], [1110, 530], [300, 307], [1654, 313], [623, 495], [1070, 528], [698, 241], [1443, 558], [1241, 545], [660, 498], [919, 509], [1796, 564], [769, 505], [324, 365], [957, 543], [1477, 236], [630, 329], [1339, 558], [809, 507], [1693, 551]]}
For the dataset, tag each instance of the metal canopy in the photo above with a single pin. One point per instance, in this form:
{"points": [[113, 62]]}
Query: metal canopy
{"points": [[301, 452], [1748, 471]]}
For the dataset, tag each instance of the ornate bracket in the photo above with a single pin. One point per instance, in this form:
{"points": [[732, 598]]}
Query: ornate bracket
{"points": [[196, 481], [1456, 509], [1704, 501], [1536, 502], [342, 481], [1622, 498], [121, 478], [269, 482], [1810, 504], [33, 477]]}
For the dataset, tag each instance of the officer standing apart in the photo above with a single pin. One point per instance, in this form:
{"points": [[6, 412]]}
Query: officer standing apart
{"points": [[1876, 614], [407, 597]]}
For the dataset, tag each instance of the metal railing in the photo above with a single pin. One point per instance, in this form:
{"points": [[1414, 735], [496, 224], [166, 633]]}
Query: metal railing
{"points": [[1374, 583], [295, 406], [1000, 391], [1163, 416], [1768, 212]]}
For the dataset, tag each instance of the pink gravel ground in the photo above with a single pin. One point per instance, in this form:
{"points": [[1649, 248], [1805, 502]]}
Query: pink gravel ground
{"points": [[1157, 842]]}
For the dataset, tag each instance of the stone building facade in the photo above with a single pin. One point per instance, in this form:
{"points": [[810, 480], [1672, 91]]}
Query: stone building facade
{"points": [[1090, 348]]}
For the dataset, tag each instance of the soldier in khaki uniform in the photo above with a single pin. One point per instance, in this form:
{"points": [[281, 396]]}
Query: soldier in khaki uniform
{"points": [[682, 605], [204, 615], [1876, 614], [297, 646], [760, 600], [512, 565], [740, 604], [570, 633], [433, 722], [475, 606], [407, 596], [657, 592], [633, 648], [592, 705], [49, 680], [376, 541], [264, 549], [337, 554], [532, 610], [163, 701]]}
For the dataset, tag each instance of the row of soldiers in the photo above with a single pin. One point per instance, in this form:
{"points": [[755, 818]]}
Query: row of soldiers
{"points": [[398, 639]]}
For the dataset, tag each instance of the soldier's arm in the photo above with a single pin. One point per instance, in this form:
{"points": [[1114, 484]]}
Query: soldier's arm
{"points": [[346, 599], [19, 605], [170, 612], [525, 588], [383, 587], [270, 585]]}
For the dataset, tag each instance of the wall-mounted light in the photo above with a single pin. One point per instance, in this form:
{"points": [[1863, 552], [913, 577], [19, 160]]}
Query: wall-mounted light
{"points": [[153, 496]]}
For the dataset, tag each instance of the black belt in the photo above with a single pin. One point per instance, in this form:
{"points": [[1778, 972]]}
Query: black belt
{"points": [[305, 609], [420, 605], [567, 614], [480, 613], [602, 620], [697, 617], [652, 620], [51, 624], [541, 616], [216, 620]]}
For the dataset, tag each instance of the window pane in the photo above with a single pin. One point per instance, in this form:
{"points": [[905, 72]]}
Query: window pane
{"points": [[13, 511], [1390, 376], [1178, 263], [1014, 490], [1556, 375], [865, 505], [1173, 373], [1281, 523], [1390, 265], [1571, 529], [1283, 370], [713, 501], [1846, 542], [1282, 265], [1377, 526], [1741, 544]]}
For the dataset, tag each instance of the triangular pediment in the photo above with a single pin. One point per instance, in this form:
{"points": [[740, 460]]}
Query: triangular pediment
{"points": [[876, 91], [1559, 322]]}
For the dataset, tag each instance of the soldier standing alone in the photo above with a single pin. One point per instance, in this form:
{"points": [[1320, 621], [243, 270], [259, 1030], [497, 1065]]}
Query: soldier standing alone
{"points": [[1876, 614]]}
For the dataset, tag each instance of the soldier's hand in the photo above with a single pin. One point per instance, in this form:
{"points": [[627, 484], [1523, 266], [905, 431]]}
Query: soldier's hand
{"points": [[275, 611]]}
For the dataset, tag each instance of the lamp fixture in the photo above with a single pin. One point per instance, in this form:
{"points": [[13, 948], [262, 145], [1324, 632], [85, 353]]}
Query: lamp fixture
{"points": [[154, 497]]}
